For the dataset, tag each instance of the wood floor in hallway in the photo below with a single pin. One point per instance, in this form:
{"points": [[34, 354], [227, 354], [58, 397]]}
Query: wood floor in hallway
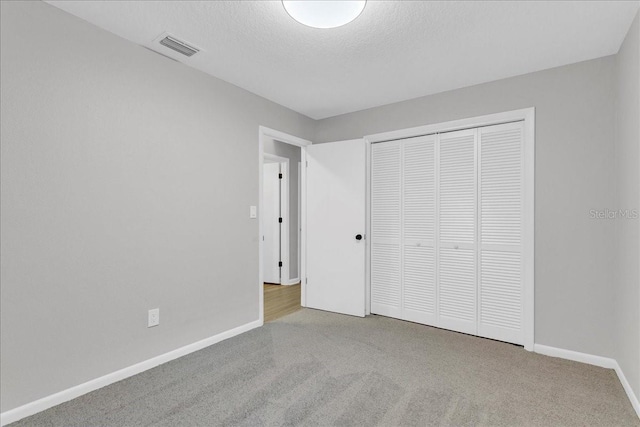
{"points": [[280, 300]]}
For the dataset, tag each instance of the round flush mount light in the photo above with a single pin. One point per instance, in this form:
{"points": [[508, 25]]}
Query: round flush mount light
{"points": [[324, 14]]}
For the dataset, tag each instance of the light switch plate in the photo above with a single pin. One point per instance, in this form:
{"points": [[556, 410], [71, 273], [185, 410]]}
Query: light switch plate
{"points": [[253, 212]]}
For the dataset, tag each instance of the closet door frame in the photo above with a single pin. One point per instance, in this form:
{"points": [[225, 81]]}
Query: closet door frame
{"points": [[527, 116]]}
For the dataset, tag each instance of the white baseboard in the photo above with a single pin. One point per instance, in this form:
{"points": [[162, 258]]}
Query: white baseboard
{"points": [[603, 362], [627, 387], [47, 402], [291, 282]]}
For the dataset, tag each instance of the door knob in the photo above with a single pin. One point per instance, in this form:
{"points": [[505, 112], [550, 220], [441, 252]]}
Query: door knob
{"points": [[358, 236]]}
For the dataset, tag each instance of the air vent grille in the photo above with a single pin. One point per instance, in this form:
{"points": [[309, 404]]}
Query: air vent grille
{"points": [[178, 46]]}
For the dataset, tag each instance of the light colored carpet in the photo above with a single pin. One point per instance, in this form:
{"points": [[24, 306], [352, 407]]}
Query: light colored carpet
{"points": [[322, 369]]}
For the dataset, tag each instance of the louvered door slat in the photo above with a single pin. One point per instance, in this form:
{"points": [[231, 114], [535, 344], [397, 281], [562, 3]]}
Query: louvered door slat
{"points": [[385, 279], [501, 179], [457, 187], [457, 283], [386, 213], [419, 188], [419, 222], [419, 296], [501, 285], [457, 290]]}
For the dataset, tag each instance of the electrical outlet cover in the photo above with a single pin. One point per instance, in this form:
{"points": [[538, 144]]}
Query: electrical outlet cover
{"points": [[154, 317]]}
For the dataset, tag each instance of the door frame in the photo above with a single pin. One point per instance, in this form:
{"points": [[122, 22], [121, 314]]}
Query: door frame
{"points": [[284, 163], [527, 115], [266, 134]]}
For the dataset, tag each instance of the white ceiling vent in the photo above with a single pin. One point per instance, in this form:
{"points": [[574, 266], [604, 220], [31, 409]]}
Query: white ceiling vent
{"points": [[178, 46]]}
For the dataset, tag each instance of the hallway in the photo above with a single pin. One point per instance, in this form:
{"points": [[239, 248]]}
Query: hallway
{"points": [[280, 300]]}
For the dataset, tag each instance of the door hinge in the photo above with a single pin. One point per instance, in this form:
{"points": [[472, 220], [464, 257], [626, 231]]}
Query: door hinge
{"points": [[307, 163], [280, 175], [280, 220], [306, 280], [279, 263]]}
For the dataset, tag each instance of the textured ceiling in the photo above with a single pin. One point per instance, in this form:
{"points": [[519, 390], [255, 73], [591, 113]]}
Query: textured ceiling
{"points": [[396, 50]]}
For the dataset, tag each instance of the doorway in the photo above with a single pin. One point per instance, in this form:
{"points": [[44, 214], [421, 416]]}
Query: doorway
{"points": [[281, 217]]}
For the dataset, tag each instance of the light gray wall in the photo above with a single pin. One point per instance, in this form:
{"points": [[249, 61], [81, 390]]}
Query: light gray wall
{"points": [[627, 304], [574, 174], [115, 172], [292, 153], [126, 185]]}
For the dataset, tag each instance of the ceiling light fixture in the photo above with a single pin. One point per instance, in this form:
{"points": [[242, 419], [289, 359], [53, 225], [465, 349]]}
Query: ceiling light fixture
{"points": [[324, 14]]}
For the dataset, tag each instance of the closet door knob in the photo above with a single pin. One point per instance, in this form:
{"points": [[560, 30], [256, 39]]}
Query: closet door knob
{"points": [[358, 236]]}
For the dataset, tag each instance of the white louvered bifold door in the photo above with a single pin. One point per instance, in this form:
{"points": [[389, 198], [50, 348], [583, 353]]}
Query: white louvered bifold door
{"points": [[418, 230], [501, 193], [457, 243], [386, 219], [447, 230]]}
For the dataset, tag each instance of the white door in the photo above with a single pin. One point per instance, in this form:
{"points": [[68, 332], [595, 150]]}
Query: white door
{"points": [[423, 243], [457, 286], [270, 224], [501, 266], [419, 284], [335, 220], [386, 237], [403, 228], [448, 230]]}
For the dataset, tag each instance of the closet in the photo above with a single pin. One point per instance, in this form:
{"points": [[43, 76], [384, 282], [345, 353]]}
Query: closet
{"points": [[447, 230]]}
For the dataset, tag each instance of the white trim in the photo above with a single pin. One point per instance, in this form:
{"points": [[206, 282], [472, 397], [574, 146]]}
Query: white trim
{"points": [[274, 158], [436, 236], [290, 282], [282, 137], [478, 222], [627, 387], [603, 362], [299, 230], [47, 402], [471, 122], [303, 229], [528, 116], [367, 229], [265, 133], [260, 228]]}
